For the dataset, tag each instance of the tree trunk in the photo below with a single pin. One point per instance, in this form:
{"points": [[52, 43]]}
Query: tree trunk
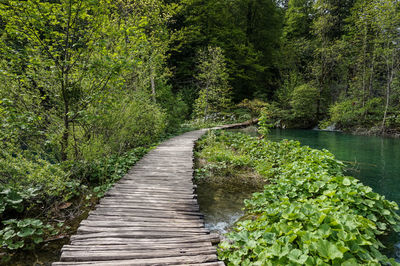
{"points": [[66, 119], [65, 136], [390, 72], [153, 87], [364, 70], [206, 107]]}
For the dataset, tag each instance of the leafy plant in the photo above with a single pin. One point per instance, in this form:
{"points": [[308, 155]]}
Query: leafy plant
{"points": [[24, 233], [310, 213], [12, 199]]}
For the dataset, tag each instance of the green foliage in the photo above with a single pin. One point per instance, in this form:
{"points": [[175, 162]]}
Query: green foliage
{"points": [[214, 99], [349, 113], [310, 213], [301, 111], [176, 107], [347, 51], [264, 124], [26, 233], [102, 173], [20, 172], [254, 107], [304, 104], [120, 125], [276, 116], [221, 160], [248, 31], [11, 199], [76, 100]]}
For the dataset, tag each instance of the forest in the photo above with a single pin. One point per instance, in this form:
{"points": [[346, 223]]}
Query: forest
{"points": [[87, 87]]}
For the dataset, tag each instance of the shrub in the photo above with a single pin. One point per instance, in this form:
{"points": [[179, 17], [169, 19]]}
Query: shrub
{"points": [[274, 115], [122, 125], [254, 106], [20, 172], [350, 113], [174, 106], [304, 104]]}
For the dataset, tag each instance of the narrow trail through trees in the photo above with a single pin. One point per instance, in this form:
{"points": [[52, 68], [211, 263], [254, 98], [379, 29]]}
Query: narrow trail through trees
{"points": [[150, 217]]}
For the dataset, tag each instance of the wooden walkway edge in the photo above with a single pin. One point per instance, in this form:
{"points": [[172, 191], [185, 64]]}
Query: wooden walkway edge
{"points": [[149, 217]]}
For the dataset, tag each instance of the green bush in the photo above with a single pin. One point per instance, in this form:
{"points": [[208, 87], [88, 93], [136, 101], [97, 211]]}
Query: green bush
{"points": [[122, 125], [304, 104], [274, 115], [310, 213], [214, 99], [21, 172], [350, 113], [254, 107], [174, 106]]}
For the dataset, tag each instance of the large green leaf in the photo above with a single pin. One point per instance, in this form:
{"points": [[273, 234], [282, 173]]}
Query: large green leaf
{"points": [[328, 250], [297, 256], [26, 231]]}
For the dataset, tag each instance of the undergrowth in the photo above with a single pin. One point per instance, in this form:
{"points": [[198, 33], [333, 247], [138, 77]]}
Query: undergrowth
{"points": [[31, 217], [309, 213]]}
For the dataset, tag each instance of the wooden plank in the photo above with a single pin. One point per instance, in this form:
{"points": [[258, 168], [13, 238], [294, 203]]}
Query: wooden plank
{"points": [[108, 223], [135, 246], [167, 183], [146, 213], [149, 202], [128, 230], [133, 209], [108, 237], [135, 234], [154, 188], [126, 255], [180, 260], [109, 241], [151, 207], [147, 196], [116, 218], [155, 193]]}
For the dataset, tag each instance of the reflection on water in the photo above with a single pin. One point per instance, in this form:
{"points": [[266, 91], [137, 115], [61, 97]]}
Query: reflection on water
{"points": [[373, 160]]}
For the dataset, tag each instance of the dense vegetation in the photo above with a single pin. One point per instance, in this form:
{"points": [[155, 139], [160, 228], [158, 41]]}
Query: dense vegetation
{"points": [[88, 86], [83, 94], [324, 61], [309, 213]]}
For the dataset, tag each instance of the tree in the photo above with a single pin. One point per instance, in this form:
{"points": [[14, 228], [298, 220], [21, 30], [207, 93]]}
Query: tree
{"points": [[70, 49], [214, 96], [60, 59], [386, 23], [248, 31]]}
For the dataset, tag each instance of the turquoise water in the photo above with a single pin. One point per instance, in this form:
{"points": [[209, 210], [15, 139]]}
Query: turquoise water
{"points": [[373, 160]]}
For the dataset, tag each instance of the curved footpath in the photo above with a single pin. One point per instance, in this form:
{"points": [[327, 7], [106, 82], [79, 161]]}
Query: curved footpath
{"points": [[149, 217]]}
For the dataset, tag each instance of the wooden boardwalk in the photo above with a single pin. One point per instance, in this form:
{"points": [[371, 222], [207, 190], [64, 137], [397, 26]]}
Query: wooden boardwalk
{"points": [[149, 217]]}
